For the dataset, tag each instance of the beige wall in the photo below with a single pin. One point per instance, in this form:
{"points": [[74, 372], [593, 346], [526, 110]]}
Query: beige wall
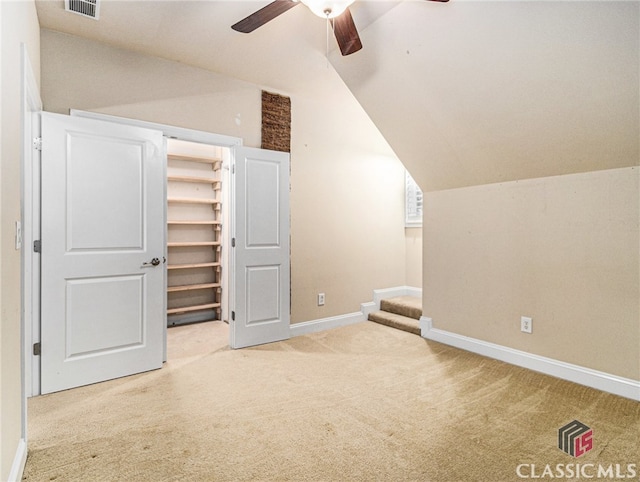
{"points": [[347, 232], [347, 209], [19, 25], [413, 248], [87, 75], [563, 250], [519, 94]]}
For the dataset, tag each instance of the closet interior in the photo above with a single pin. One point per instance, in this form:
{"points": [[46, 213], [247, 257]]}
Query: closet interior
{"points": [[196, 190]]}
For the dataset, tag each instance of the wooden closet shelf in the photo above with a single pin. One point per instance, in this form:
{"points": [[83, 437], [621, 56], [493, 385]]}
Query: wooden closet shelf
{"points": [[193, 243], [192, 200], [213, 223], [203, 286], [186, 309], [192, 265], [205, 160], [203, 180]]}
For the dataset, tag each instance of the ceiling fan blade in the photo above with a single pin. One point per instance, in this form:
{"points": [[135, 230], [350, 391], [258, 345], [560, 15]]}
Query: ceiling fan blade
{"points": [[264, 15], [442, 1], [346, 33]]}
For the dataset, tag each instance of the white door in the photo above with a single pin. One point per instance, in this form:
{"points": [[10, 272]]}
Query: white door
{"points": [[260, 247], [103, 238]]}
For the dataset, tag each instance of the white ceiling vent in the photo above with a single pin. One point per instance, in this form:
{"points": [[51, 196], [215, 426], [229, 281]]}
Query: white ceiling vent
{"points": [[86, 8]]}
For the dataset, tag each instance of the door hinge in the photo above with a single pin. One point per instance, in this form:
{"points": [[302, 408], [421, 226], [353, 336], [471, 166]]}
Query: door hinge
{"points": [[37, 246], [233, 316], [233, 242], [233, 169], [37, 349], [37, 143]]}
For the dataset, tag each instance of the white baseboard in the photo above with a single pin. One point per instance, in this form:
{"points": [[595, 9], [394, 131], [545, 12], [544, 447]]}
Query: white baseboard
{"points": [[322, 324], [379, 295], [313, 326], [19, 461], [606, 382], [368, 307]]}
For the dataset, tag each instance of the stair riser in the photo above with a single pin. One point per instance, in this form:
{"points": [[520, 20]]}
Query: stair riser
{"points": [[408, 324], [399, 309]]}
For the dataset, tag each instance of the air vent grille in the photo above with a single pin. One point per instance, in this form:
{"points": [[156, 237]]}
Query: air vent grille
{"points": [[86, 8]]}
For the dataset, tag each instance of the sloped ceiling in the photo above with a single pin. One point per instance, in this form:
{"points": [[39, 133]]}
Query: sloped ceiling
{"points": [[287, 54], [466, 92], [470, 93]]}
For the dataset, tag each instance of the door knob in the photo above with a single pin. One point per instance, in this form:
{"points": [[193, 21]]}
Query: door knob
{"points": [[154, 262]]}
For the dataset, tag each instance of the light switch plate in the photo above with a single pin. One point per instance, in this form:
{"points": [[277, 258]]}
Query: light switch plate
{"points": [[18, 235]]}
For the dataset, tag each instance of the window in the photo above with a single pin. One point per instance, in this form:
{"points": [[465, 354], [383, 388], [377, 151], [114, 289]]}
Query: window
{"points": [[413, 203]]}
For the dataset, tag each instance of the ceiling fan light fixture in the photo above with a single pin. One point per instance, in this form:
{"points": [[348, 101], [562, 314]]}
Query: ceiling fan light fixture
{"points": [[327, 8]]}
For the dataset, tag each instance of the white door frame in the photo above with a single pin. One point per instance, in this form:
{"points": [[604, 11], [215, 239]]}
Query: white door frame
{"points": [[31, 226], [169, 131], [31, 104]]}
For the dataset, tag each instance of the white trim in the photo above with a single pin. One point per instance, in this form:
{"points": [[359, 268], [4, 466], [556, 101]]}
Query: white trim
{"points": [[31, 103], [31, 265], [322, 324], [170, 131], [19, 461], [368, 308], [606, 382], [30, 196], [382, 294]]}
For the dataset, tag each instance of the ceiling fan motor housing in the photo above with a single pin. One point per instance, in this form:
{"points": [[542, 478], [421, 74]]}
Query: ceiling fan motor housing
{"points": [[327, 8]]}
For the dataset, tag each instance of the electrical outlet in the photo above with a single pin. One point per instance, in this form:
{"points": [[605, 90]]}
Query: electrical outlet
{"points": [[526, 324], [320, 299]]}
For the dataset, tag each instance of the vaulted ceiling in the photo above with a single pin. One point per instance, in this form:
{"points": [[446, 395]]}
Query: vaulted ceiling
{"points": [[484, 92], [466, 92], [286, 54]]}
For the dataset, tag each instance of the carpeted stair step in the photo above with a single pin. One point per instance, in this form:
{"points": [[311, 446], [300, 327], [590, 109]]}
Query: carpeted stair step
{"points": [[409, 306], [394, 320]]}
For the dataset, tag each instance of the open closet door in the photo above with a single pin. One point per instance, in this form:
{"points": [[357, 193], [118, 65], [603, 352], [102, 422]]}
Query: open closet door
{"points": [[260, 247], [102, 250]]}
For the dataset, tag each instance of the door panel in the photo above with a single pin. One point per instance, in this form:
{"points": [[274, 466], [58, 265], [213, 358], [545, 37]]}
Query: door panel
{"points": [[260, 226], [102, 223], [114, 306], [113, 220], [263, 294], [262, 203]]}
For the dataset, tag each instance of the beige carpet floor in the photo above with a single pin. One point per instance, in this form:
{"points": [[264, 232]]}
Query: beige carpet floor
{"points": [[360, 403]]}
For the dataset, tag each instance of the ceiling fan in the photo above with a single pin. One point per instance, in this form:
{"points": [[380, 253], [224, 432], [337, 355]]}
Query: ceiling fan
{"points": [[335, 11]]}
